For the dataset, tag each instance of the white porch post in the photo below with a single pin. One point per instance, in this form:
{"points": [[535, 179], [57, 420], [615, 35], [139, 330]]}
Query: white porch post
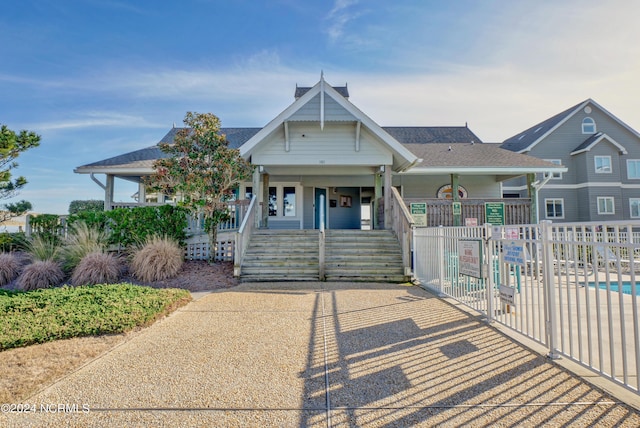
{"points": [[142, 192], [387, 196], [108, 193], [257, 191]]}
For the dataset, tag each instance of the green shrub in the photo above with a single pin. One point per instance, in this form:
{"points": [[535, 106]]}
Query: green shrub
{"points": [[128, 226], [9, 268], [47, 226], [97, 268], [13, 241], [40, 274], [60, 313], [91, 205], [81, 240], [158, 259]]}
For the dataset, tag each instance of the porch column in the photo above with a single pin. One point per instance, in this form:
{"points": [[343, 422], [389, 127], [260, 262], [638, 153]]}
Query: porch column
{"points": [[142, 192], [387, 197], [377, 194], [108, 193], [265, 200], [533, 195], [455, 197], [257, 191]]}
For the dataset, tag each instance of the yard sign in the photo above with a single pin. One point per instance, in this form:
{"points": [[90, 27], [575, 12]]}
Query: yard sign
{"points": [[470, 257], [494, 213], [419, 213]]}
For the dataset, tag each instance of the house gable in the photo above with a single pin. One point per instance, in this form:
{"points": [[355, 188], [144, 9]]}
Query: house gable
{"points": [[321, 109]]}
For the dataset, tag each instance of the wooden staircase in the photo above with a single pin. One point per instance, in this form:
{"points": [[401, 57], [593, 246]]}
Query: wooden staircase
{"points": [[350, 255]]}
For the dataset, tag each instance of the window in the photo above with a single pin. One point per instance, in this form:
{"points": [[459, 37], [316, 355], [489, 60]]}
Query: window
{"points": [[248, 192], [633, 168], [289, 201], [603, 164], [273, 201], [283, 201], [555, 208], [634, 207], [605, 205], [588, 126], [555, 175]]}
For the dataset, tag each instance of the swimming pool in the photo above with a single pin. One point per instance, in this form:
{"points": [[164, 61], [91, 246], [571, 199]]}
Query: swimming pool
{"points": [[626, 286]]}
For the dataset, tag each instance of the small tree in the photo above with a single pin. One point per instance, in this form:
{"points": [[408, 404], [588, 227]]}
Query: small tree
{"points": [[202, 169], [9, 211], [11, 145]]}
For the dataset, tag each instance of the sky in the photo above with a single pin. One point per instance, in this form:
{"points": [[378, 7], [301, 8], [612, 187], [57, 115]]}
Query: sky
{"points": [[99, 78]]}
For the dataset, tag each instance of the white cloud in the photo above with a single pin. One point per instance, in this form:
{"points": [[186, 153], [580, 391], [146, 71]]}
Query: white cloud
{"points": [[96, 119], [338, 18]]}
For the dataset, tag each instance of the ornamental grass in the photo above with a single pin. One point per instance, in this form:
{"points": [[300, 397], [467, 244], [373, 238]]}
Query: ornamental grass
{"points": [[40, 274], [9, 268], [159, 258], [81, 241], [97, 268]]}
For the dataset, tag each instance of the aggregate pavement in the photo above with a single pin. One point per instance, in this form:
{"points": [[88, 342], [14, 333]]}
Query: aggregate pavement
{"points": [[319, 355]]}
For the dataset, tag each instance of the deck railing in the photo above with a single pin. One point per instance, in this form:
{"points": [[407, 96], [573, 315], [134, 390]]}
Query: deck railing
{"points": [[440, 211]]}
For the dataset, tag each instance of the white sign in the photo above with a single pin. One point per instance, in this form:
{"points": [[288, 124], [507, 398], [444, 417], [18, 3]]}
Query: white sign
{"points": [[511, 233], [506, 294], [470, 258], [470, 221], [513, 253]]}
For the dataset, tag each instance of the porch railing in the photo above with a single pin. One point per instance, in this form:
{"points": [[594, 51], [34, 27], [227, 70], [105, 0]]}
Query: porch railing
{"points": [[440, 211], [243, 235], [402, 226]]}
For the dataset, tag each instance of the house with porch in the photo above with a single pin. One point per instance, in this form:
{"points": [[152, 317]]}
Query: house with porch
{"points": [[323, 164], [602, 156]]}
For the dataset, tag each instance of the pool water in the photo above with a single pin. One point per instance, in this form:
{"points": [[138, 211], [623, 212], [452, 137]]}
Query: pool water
{"points": [[626, 286]]}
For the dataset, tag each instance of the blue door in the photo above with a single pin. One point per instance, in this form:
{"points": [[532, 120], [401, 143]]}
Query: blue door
{"points": [[316, 208]]}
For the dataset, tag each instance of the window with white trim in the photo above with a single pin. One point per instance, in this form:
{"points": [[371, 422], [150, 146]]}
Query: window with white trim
{"points": [[603, 164], [633, 168], [554, 208], [555, 175], [282, 201], [634, 207], [588, 126], [606, 205]]}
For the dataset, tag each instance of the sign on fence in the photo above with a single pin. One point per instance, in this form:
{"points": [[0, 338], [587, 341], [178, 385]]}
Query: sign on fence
{"points": [[494, 213], [513, 253], [419, 213], [470, 257], [506, 294]]}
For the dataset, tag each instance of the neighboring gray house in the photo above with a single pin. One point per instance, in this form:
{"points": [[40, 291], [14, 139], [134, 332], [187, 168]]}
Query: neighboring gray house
{"points": [[602, 155]]}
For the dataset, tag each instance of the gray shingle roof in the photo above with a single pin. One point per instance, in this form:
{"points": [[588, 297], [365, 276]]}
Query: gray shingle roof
{"points": [[432, 134], [144, 158], [586, 143], [473, 155], [523, 140], [300, 91]]}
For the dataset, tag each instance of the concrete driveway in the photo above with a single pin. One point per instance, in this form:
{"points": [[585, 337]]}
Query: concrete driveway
{"points": [[321, 354]]}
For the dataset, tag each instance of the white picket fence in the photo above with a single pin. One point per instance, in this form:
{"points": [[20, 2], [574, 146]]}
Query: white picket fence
{"points": [[570, 287]]}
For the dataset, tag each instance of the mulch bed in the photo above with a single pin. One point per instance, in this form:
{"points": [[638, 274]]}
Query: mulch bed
{"points": [[195, 275]]}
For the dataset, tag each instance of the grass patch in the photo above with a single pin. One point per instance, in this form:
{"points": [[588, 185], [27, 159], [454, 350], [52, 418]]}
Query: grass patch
{"points": [[44, 315]]}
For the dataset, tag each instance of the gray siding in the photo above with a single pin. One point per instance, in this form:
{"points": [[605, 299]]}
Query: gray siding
{"points": [[310, 145], [581, 185], [332, 111], [426, 186]]}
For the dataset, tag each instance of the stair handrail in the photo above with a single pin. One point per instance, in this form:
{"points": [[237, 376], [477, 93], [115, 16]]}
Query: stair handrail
{"points": [[243, 235], [402, 225]]}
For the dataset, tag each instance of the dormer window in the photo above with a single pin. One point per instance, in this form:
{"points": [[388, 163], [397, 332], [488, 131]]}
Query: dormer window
{"points": [[588, 126]]}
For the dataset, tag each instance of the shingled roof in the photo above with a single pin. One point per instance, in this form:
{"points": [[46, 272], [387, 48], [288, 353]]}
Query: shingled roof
{"points": [[432, 134], [523, 140], [144, 158], [301, 90]]}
